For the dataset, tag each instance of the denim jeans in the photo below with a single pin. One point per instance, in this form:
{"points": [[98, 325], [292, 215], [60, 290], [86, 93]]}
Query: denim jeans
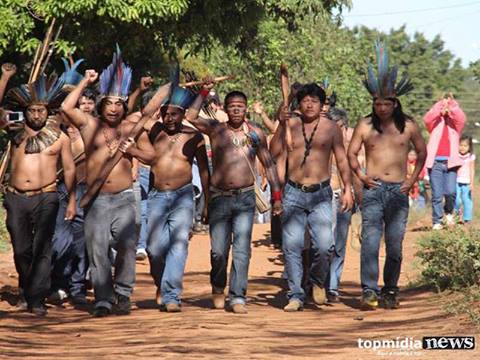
{"points": [[382, 207], [144, 180], [170, 215], [314, 211], [443, 182], [464, 197], [340, 232], [69, 251], [231, 222], [110, 222]]}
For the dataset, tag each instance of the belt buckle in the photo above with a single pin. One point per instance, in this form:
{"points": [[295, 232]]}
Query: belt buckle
{"points": [[236, 192], [304, 188]]}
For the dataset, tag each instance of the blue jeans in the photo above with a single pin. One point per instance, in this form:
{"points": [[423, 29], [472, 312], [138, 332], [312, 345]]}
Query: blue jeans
{"points": [[231, 222], [69, 251], [313, 210], [144, 179], [340, 233], [464, 196], [110, 223], [170, 215], [382, 207], [443, 182]]}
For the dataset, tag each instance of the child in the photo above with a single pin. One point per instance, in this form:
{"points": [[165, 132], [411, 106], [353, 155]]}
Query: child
{"points": [[417, 192], [465, 178]]}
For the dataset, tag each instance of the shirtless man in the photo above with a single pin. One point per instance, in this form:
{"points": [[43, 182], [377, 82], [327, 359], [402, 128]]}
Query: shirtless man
{"points": [[386, 135], [231, 208], [308, 194], [31, 199], [170, 200], [110, 217]]}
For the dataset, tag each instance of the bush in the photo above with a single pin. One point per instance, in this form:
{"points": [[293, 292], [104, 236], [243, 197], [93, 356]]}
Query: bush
{"points": [[451, 259]]}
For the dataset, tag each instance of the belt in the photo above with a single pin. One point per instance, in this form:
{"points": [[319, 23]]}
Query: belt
{"points": [[309, 188], [232, 192], [46, 189]]}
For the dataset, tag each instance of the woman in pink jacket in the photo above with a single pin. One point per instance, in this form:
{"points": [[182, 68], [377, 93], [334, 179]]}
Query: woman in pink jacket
{"points": [[444, 122]]}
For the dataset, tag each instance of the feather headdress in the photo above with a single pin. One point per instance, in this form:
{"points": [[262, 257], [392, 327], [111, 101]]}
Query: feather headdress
{"points": [[44, 91], [385, 85], [71, 77], [179, 97], [116, 78]]}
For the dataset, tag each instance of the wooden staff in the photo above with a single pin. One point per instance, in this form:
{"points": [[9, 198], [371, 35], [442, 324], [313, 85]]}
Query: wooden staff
{"points": [[215, 80], [285, 86], [45, 45], [76, 160]]}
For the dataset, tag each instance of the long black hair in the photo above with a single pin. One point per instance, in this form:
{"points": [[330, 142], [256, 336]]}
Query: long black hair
{"points": [[399, 117]]}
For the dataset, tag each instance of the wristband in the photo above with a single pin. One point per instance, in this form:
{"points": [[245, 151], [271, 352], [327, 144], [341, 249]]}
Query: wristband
{"points": [[204, 92], [277, 195]]}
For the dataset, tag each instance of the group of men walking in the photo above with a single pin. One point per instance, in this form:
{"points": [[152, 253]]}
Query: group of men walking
{"points": [[97, 153]]}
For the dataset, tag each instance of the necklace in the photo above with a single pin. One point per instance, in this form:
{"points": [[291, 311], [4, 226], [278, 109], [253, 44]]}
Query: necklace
{"points": [[238, 143], [112, 144], [308, 142], [174, 138]]}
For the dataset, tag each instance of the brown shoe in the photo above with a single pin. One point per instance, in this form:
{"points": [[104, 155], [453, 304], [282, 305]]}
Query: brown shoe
{"points": [[218, 301], [158, 297], [293, 305], [239, 308], [319, 296], [173, 308]]}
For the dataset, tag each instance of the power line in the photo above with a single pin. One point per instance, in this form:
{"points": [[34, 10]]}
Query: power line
{"points": [[416, 10]]}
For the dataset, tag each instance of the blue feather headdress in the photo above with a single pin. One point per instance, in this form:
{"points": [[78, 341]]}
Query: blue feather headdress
{"points": [[179, 97], [385, 85], [44, 91], [116, 78], [71, 76]]}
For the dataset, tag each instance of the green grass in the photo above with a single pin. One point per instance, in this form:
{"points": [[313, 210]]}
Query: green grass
{"points": [[4, 236]]}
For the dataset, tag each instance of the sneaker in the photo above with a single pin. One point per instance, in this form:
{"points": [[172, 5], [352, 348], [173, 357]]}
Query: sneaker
{"points": [[450, 220], [57, 297], [173, 308], [124, 305], [437, 227], [38, 309], [293, 305], [332, 297], [141, 255], [369, 300], [390, 300], [239, 308], [218, 301], [21, 303], [318, 294], [101, 311]]}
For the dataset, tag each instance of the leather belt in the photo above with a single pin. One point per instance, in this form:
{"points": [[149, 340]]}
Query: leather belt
{"points": [[231, 192], [46, 189], [309, 188]]}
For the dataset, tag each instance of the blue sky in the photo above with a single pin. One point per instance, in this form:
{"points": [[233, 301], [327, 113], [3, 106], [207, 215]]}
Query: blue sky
{"points": [[457, 21]]}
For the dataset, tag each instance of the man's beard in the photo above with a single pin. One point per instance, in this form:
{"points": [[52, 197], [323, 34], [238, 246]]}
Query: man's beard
{"points": [[36, 126]]}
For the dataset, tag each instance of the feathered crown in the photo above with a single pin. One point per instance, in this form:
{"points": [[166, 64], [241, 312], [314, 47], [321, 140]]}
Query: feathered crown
{"points": [[116, 78], [179, 97], [48, 92], [383, 85], [331, 94], [71, 76]]}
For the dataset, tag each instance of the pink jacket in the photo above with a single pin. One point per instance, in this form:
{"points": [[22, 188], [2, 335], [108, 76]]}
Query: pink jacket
{"points": [[435, 121]]}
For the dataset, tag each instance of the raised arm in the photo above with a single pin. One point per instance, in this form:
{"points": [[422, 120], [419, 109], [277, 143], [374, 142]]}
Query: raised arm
{"points": [[8, 70], [343, 168], [202, 161], [269, 124], [68, 165], [421, 149], [69, 107], [204, 125], [157, 100], [271, 172], [456, 117], [145, 83]]}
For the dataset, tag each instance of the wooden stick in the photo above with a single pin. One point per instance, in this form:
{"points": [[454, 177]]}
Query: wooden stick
{"points": [[45, 44], [285, 86], [76, 160], [51, 49], [215, 80], [34, 63], [110, 164]]}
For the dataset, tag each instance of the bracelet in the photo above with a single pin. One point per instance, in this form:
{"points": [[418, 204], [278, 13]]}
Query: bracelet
{"points": [[204, 92], [277, 195]]}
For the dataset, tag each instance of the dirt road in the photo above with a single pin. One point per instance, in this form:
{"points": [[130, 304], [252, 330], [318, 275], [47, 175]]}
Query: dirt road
{"points": [[266, 332]]}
